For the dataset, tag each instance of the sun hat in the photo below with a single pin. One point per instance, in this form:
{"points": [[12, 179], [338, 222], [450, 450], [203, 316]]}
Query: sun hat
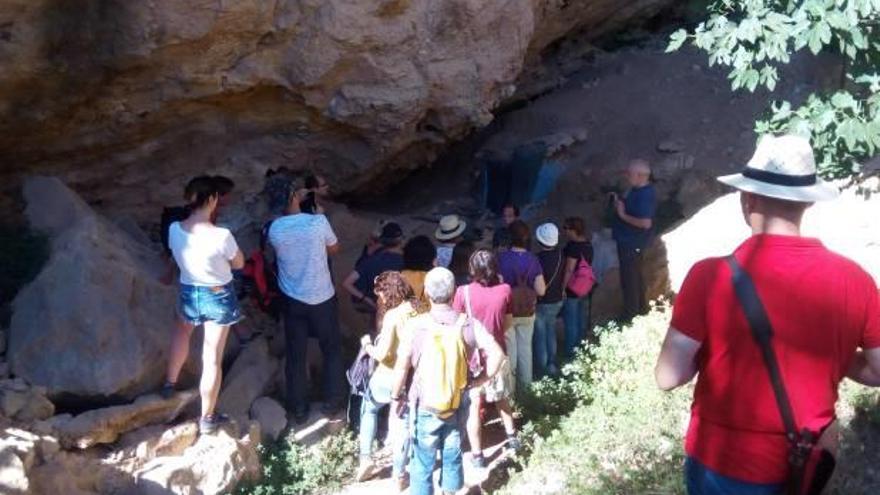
{"points": [[451, 226], [547, 234], [783, 167], [391, 234]]}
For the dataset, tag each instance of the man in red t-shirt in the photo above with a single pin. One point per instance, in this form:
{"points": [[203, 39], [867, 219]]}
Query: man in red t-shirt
{"points": [[823, 309]]}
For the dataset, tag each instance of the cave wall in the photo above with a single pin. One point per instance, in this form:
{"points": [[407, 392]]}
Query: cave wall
{"points": [[125, 100]]}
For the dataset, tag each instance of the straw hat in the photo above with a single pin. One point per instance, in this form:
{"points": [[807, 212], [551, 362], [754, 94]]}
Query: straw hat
{"points": [[547, 234], [451, 226], [783, 167]]}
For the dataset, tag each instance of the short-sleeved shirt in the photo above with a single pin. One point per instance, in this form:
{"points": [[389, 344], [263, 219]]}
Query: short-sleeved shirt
{"points": [[519, 265], [553, 267], [444, 254], [640, 202], [416, 280], [488, 304], [371, 266], [203, 256], [394, 333], [822, 307], [300, 242], [576, 250]]}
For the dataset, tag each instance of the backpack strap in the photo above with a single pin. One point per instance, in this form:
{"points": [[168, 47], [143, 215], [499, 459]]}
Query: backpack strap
{"points": [[800, 444]]}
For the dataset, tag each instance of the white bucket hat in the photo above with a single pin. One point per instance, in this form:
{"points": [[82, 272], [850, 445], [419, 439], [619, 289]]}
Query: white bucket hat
{"points": [[451, 226], [783, 167], [547, 234]]}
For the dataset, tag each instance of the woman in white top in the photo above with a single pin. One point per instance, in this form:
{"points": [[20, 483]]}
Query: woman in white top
{"points": [[206, 255]]}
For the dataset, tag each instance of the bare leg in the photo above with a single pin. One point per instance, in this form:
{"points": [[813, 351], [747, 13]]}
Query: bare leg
{"points": [[506, 416], [179, 350], [212, 359], [473, 424]]}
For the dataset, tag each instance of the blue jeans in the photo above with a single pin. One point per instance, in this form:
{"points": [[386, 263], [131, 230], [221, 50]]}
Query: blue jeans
{"points": [[701, 480], [575, 316], [432, 434], [544, 339], [398, 428]]}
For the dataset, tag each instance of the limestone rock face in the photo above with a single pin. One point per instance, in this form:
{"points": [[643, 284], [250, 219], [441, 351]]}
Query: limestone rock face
{"points": [[119, 93], [848, 225], [95, 322]]}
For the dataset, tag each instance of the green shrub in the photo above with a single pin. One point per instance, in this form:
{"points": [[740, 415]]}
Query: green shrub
{"points": [[292, 469], [624, 436]]}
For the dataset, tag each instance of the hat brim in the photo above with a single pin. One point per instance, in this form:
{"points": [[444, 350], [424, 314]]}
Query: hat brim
{"points": [[821, 191], [441, 236], [545, 243]]}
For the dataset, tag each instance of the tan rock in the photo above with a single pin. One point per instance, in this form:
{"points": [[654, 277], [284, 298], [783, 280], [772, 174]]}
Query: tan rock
{"points": [[214, 464], [13, 475], [105, 425], [23, 403]]}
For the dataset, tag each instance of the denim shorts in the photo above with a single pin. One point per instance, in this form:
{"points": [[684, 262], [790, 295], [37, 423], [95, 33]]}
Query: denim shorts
{"points": [[197, 304]]}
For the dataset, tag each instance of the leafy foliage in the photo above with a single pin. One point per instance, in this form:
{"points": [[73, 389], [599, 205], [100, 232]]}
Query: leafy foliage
{"points": [[754, 37], [624, 436], [292, 469]]}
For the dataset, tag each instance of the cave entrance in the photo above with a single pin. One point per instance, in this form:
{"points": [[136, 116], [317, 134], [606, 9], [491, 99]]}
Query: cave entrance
{"points": [[526, 177]]}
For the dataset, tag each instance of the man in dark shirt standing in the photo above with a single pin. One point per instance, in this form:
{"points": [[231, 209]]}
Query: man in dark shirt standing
{"points": [[633, 230]]}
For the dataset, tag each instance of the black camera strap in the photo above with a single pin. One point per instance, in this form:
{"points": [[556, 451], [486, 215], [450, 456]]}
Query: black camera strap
{"points": [[800, 444]]}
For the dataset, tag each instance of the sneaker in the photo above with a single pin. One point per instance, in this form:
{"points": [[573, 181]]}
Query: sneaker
{"points": [[478, 461], [301, 416], [331, 408], [364, 471], [514, 443], [402, 483], [168, 389], [211, 423]]}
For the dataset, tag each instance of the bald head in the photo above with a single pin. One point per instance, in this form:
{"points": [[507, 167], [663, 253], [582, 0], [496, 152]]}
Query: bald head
{"points": [[638, 172]]}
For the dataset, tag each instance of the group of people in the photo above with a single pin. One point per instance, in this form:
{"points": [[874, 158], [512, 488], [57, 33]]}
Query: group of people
{"points": [[453, 326]]}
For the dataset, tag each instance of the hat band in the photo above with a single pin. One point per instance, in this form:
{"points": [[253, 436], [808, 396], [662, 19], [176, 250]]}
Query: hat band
{"points": [[780, 179], [449, 231]]}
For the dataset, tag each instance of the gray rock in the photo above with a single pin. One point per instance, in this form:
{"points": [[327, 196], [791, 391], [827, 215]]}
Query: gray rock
{"points": [[23, 403], [96, 321], [271, 416], [251, 376]]}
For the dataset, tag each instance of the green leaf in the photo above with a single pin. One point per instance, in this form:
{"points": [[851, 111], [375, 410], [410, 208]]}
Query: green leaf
{"points": [[814, 41], [844, 100], [676, 40]]}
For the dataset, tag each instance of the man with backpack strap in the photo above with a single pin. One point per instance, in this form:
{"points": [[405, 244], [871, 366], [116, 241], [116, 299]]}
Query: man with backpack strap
{"points": [[444, 354], [771, 330]]}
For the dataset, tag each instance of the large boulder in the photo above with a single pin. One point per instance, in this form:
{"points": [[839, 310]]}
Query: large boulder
{"points": [[849, 225], [96, 321], [271, 416], [121, 94]]}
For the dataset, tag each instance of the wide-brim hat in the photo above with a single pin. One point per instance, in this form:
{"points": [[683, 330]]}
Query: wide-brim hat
{"points": [[547, 234], [451, 226], [783, 167]]}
